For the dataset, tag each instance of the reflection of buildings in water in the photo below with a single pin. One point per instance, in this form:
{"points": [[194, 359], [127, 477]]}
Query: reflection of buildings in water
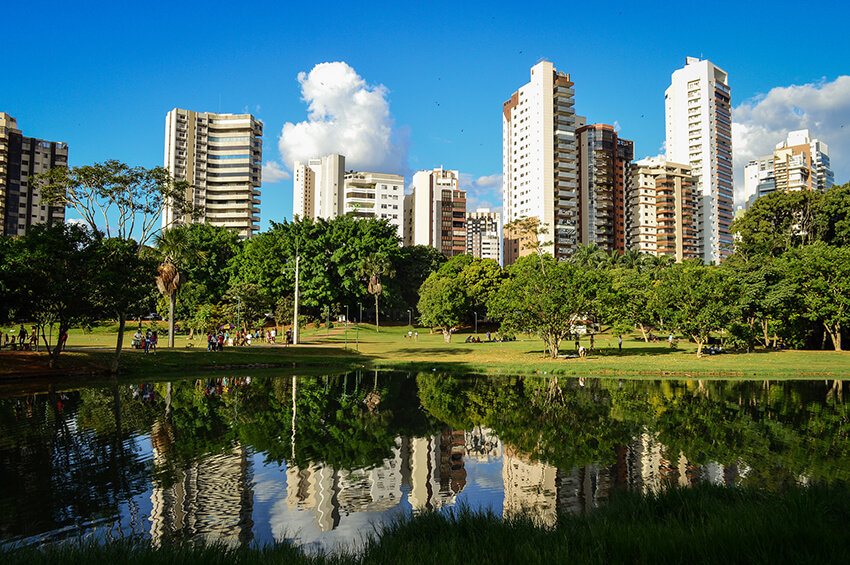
{"points": [[530, 488], [211, 499], [330, 494], [435, 466]]}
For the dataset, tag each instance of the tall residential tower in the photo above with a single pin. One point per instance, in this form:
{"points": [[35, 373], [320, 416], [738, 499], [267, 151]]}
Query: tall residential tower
{"points": [[435, 213], [20, 158], [539, 161], [698, 112], [221, 157]]}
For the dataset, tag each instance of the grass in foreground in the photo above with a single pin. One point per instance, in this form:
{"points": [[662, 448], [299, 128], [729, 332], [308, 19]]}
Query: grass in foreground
{"points": [[704, 524], [390, 348]]}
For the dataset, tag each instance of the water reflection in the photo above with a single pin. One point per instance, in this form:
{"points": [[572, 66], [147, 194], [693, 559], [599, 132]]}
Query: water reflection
{"points": [[321, 459]]}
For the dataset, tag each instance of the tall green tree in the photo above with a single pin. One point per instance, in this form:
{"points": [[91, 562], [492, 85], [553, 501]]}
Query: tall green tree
{"points": [[373, 267], [821, 274], [696, 299], [443, 303], [777, 222], [412, 266], [627, 301], [833, 221], [547, 298], [175, 250]]}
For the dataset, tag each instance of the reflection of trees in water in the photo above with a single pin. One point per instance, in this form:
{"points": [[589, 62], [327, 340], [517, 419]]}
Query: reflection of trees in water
{"points": [[774, 432]]}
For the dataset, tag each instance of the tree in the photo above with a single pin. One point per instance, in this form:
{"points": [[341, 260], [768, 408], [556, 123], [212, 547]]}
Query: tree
{"points": [[696, 299], [135, 196], [833, 222], [443, 303], [412, 266], [821, 274], [50, 276], [627, 301], [175, 249], [373, 267], [531, 232], [547, 298], [777, 222]]}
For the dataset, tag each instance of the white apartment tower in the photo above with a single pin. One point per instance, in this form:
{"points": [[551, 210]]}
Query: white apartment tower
{"points": [[539, 161], [221, 157], [484, 234], [798, 163], [435, 213], [375, 195], [698, 114], [319, 187]]}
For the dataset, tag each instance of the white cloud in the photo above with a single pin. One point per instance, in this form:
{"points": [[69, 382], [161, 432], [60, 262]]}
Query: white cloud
{"points": [[272, 172], [762, 122], [346, 116], [482, 192]]}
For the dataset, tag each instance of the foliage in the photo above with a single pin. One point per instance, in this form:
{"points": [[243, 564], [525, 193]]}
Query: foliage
{"points": [[547, 298], [696, 299], [443, 303], [833, 221], [99, 192], [777, 222], [412, 266]]}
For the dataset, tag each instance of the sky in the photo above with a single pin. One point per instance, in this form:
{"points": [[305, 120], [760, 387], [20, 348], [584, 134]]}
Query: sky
{"points": [[401, 87]]}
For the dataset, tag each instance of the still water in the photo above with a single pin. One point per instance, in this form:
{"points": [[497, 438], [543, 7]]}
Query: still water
{"points": [[323, 461]]}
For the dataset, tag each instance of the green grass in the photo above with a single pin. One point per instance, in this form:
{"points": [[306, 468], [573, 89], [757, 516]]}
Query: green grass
{"points": [[390, 349], [704, 524]]}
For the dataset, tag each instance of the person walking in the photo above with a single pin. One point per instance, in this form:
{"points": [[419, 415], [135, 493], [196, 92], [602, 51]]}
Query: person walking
{"points": [[154, 339], [147, 341], [620, 343]]}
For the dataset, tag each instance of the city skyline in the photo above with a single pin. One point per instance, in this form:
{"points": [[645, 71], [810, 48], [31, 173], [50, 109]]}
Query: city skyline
{"points": [[406, 95]]}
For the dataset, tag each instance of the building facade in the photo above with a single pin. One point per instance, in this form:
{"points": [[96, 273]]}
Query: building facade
{"points": [[21, 157], [661, 206], [375, 195], [798, 163], [319, 187], [484, 234], [435, 212], [539, 162], [221, 157], [604, 160], [698, 113]]}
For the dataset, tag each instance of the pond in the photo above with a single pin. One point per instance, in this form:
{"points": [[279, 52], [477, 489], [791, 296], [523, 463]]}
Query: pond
{"points": [[322, 461]]}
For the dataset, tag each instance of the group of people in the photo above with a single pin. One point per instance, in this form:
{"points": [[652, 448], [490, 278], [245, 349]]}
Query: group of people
{"points": [[217, 340], [22, 340], [148, 342], [414, 335]]}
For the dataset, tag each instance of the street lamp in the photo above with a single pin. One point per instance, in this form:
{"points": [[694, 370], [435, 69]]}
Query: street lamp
{"points": [[476, 323], [409, 323], [360, 317], [346, 326]]}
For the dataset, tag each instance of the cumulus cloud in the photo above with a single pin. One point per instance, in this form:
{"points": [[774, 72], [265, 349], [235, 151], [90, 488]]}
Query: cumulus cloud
{"points": [[482, 192], [273, 172], [762, 122], [346, 116]]}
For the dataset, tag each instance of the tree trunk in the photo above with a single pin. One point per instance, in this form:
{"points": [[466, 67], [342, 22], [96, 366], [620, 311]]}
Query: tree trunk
{"points": [[835, 335], [643, 331], [447, 335], [171, 304], [699, 348], [122, 320], [764, 328], [376, 313], [57, 349]]}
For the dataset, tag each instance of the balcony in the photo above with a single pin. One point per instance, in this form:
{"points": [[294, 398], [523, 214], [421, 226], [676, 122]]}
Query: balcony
{"points": [[566, 194]]}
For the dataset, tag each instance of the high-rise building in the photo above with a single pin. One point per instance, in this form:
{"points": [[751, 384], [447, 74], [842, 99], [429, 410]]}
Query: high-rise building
{"points": [[221, 157], [698, 113], [604, 160], [435, 213], [798, 163], [660, 204], [539, 162], [375, 195], [483, 234], [20, 158], [319, 187]]}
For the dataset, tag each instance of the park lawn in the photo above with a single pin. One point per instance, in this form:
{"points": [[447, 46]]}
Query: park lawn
{"points": [[389, 348]]}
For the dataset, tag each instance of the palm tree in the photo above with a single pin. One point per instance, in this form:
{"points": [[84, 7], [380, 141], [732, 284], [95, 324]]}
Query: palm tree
{"points": [[373, 267], [176, 251]]}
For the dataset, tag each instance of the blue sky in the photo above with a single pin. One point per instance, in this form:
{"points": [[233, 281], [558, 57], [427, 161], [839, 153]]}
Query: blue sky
{"points": [[431, 77]]}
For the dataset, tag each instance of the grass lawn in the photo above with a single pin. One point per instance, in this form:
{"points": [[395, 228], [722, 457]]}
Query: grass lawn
{"points": [[390, 348]]}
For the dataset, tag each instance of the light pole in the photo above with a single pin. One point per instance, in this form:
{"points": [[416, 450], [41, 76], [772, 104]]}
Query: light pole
{"points": [[346, 326], [360, 317], [476, 323], [238, 312], [295, 317], [328, 320], [409, 321]]}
